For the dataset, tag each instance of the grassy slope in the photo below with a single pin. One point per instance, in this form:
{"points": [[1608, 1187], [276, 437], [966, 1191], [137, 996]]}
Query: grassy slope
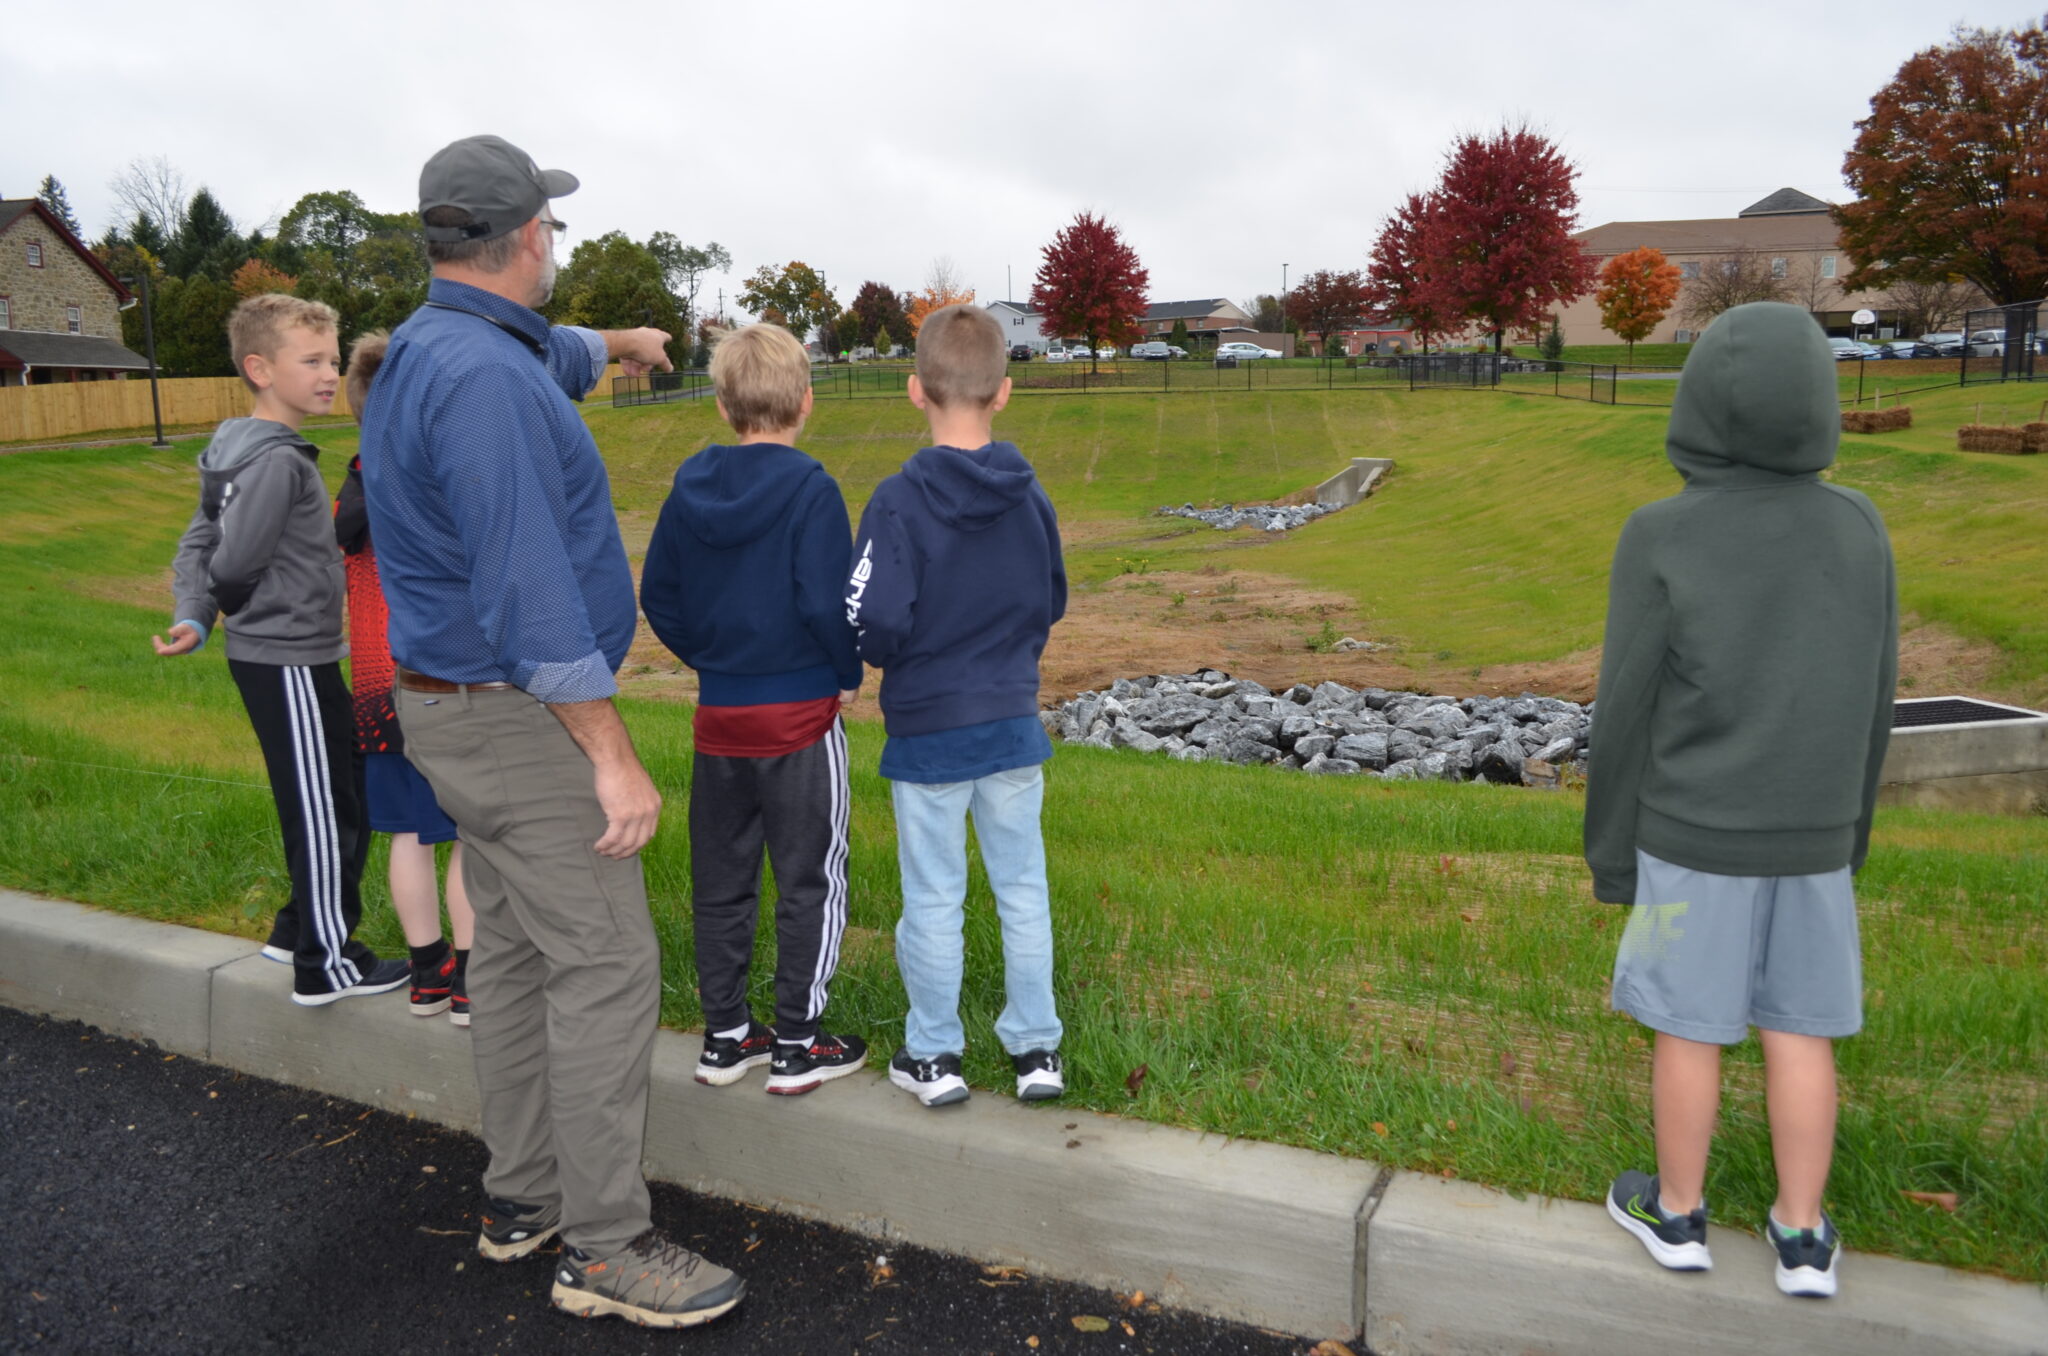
{"points": [[1413, 973]]}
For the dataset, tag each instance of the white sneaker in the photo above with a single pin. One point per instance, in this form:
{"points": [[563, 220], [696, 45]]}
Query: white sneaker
{"points": [[1038, 1075], [934, 1082]]}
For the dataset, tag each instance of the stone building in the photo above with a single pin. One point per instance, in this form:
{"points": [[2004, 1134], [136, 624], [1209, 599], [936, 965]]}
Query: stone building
{"points": [[60, 309]]}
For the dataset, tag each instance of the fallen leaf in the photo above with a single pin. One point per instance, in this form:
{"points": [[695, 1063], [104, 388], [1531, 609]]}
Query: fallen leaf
{"points": [[1380, 1128], [1469, 917], [1073, 1144], [1414, 1044], [428, 1167], [1125, 1324], [1330, 1347], [1508, 1066], [1091, 1323], [1031, 1342], [1137, 1298], [1005, 1273], [1136, 1079], [169, 1058], [1451, 1124], [1947, 1200], [1447, 866]]}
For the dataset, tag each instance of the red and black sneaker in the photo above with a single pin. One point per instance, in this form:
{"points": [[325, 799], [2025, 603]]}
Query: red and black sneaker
{"points": [[458, 995], [797, 1068], [726, 1061], [433, 986]]}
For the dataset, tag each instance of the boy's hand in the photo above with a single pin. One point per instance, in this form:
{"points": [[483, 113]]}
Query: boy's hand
{"points": [[848, 696], [185, 638], [642, 351]]}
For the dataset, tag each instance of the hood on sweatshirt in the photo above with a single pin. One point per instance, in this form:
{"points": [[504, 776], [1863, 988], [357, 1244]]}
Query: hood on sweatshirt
{"points": [[237, 440], [1756, 402], [729, 496], [970, 490]]}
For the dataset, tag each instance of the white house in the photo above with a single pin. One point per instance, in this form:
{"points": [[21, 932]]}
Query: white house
{"points": [[1020, 320]]}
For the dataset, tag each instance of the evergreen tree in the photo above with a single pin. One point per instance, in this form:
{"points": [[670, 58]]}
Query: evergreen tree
{"points": [[1181, 338], [206, 243], [52, 196]]}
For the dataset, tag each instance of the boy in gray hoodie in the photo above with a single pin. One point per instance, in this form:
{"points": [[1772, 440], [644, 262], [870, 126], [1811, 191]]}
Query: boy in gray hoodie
{"points": [[1745, 704], [261, 550]]}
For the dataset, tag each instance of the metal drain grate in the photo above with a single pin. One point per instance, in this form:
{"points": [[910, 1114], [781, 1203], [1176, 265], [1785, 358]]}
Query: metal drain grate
{"points": [[1953, 711]]}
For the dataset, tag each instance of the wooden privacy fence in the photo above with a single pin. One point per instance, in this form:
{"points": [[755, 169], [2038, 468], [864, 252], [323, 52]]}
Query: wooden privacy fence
{"points": [[53, 413]]}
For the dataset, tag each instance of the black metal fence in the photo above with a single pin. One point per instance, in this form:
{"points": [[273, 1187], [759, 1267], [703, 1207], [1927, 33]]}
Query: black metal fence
{"points": [[2005, 343], [1859, 381]]}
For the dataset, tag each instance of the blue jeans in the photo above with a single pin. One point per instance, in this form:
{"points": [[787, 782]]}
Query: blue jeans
{"points": [[931, 848]]}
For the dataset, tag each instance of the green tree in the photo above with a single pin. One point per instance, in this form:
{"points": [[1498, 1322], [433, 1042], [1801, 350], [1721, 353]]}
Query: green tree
{"points": [[1181, 338], [336, 222], [883, 342], [796, 294], [876, 307], [615, 283], [206, 241], [683, 266], [192, 326], [52, 196]]}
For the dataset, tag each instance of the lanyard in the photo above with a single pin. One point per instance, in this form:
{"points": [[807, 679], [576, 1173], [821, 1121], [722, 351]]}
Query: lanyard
{"points": [[539, 349]]}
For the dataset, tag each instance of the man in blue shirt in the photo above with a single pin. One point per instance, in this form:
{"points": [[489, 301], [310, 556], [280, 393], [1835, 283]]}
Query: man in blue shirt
{"points": [[511, 609]]}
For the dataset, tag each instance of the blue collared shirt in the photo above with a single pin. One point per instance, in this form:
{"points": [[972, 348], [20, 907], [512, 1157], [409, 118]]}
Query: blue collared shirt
{"points": [[497, 543]]}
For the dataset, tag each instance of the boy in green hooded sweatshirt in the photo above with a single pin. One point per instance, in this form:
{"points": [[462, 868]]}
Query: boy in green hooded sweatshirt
{"points": [[1745, 703]]}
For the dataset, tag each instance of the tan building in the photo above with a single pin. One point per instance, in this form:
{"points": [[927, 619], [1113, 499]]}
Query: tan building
{"points": [[60, 309], [1787, 238]]}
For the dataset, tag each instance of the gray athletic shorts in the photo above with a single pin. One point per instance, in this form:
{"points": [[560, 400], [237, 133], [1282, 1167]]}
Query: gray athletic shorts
{"points": [[1706, 957]]}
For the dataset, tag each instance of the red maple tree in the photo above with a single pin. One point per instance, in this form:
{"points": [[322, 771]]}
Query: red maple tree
{"points": [[1401, 275], [1325, 301], [1090, 284], [1506, 207], [1951, 169], [1637, 290]]}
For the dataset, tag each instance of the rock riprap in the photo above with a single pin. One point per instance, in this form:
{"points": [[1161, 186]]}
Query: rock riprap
{"points": [[1333, 729], [1266, 517]]}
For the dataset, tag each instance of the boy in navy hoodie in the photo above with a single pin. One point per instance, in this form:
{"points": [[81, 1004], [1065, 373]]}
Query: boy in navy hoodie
{"points": [[956, 581], [742, 582]]}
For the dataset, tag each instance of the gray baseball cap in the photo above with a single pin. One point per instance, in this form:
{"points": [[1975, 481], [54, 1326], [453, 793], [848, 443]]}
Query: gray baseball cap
{"points": [[494, 181]]}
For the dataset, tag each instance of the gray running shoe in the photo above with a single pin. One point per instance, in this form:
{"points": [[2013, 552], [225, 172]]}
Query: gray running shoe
{"points": [[653, 1282], [512, 1231], [1806, 1257], [1676, 1241]]}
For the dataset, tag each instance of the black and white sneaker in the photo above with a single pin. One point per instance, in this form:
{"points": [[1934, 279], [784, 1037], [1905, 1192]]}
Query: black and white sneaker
{"points": [[1039, 1076], [284, 935], [1676, 1241], [380, 977], [726, 1060], [934, 1082], [512, 1231], [796, 1068], [1806, 1257]]}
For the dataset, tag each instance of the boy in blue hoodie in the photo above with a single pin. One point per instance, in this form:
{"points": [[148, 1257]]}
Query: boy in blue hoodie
{"points": [[956, 582], [742, 582]]}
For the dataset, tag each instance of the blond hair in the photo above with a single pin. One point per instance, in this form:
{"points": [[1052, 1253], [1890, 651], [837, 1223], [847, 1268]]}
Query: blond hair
{"points": [[258, 324], [365, 356], [960, 357], [760, 375]]}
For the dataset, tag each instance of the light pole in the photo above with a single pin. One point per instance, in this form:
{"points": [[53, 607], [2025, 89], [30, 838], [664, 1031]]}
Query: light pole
{"points": [[149, 351], [1283, 301]]}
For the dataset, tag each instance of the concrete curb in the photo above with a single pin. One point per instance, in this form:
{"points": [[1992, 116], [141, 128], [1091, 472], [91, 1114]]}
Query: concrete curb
{"points": [[1259, 1233]]}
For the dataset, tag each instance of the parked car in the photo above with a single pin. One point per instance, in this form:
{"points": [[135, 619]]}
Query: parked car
{"points": [[1945, 343], [1152, 350], [1851, 350], [1058, 355], [1908, 348], [1105, 353], [1176, 350], [1243, 351], [1020, 353], [1987, 344]]}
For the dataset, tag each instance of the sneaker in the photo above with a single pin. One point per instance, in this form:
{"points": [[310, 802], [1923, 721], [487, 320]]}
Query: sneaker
{"points": [[934, 1082], [1676, 1241], [382, 977], [1038, 1075], [284, 935], [655, 1283], [1806, 1257], [433, 986], [512, 1231], [458, 995], [795, 1069], [273, 952], [727, 1061]]}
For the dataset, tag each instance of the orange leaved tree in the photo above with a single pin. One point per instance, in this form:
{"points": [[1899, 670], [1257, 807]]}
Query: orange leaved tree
{"points": [[1637, 290], [942, 288]]}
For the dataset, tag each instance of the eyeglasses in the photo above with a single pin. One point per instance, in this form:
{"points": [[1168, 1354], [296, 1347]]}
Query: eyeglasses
{"points": [[559, 227]]}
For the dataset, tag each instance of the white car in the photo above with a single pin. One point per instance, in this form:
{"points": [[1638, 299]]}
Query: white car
{"points": [[1058, 355], [1105, 353], [1987, 344], [1244, 352]]}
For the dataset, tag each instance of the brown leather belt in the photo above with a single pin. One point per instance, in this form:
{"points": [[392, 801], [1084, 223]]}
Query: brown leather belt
{"points": [[419, 682]]}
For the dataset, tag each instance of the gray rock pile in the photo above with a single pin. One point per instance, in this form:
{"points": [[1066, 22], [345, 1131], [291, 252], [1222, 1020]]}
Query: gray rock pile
{"points": [[1332, 729], [1267, 517]]}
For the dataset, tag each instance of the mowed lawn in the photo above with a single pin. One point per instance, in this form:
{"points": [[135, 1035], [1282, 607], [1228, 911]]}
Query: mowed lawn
{"points": [[1410, 973]]}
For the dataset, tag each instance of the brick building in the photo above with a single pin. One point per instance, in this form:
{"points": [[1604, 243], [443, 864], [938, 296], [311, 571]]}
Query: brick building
{"points": [[60, 309]]}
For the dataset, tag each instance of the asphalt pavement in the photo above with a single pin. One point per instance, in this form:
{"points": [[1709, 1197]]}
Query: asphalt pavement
{"points": [[161, 1204]]}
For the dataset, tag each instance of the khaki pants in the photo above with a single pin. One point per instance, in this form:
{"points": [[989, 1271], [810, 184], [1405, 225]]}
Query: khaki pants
{"points": [[565, 977]]}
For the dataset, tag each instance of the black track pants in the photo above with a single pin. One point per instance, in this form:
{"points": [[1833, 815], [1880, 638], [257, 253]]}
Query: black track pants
{"points": [[796, 805]]}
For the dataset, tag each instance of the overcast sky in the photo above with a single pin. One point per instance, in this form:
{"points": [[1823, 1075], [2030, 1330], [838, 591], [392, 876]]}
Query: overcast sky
{"points": [[868, 138]]}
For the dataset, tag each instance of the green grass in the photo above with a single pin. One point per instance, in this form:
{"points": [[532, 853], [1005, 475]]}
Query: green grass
{"points": [[1411, 973]]}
